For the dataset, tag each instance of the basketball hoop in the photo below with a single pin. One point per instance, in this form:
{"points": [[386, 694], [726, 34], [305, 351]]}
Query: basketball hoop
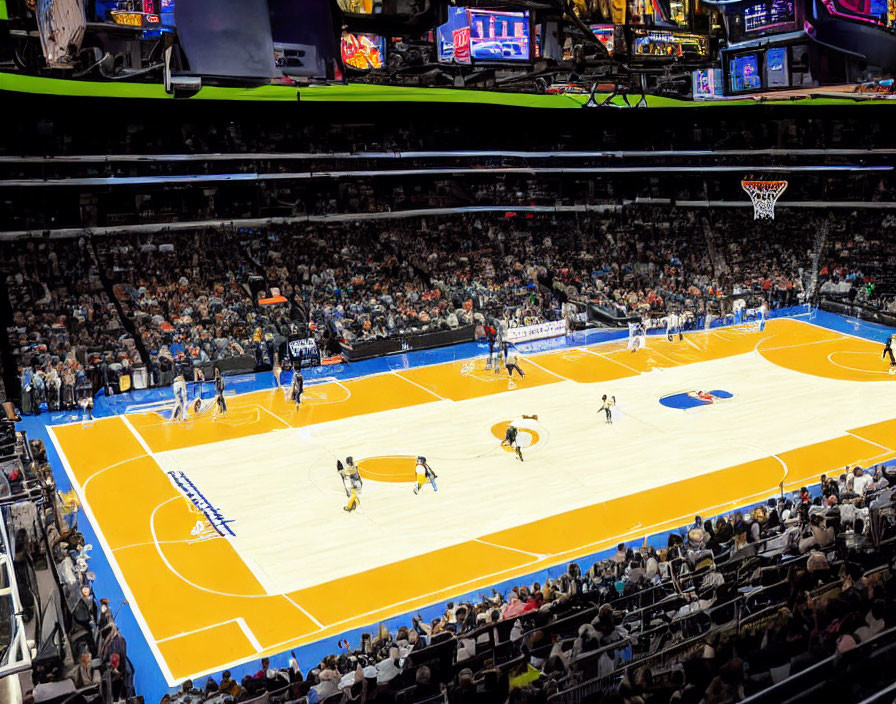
{"points": [[764, 195]]}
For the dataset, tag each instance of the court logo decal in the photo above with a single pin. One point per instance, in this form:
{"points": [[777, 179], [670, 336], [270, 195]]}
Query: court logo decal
{"points": [[192, 494], [694, 399]]}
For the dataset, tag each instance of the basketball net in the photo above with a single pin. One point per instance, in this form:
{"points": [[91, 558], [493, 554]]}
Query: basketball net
{"points": [[764, 195]]}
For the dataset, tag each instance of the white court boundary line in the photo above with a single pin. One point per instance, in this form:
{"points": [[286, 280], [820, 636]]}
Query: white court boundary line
{"points": [[537, 555], [312, 401], [610, 359], [138, 437], [301, 608], [273, 415], [871, 442], [193, 418], [111, 466], [544, 369], [798, 344], [239, 621], [419, 386], [653, 349], [165, 542], [854, 369]]}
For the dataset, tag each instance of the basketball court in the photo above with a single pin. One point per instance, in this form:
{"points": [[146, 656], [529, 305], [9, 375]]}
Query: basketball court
{"points": [[229, 536]]}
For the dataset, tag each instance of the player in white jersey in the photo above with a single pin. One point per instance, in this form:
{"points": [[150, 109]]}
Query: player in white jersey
{"points": [[179, 387], [607, 407], [763, 316], [511, 362], [637, 336], [673, 326], [277, 369]]}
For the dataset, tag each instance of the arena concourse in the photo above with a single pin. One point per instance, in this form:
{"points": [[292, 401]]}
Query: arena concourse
{"points": [[484, 429]]}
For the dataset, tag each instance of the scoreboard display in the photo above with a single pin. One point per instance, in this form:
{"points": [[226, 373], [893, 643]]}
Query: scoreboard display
{"points": [[765, 16]]}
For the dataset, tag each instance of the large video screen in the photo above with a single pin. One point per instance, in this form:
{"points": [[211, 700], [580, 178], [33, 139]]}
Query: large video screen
{"points": [[363, 52], [706, 83], [604, 32], [653, 42], [357, 7], [880, 12], [764, 16], [776, 74], [483, 35], [743, 73]]}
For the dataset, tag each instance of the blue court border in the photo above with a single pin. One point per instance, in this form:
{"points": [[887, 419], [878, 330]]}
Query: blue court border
{"points": [[149, 679]]}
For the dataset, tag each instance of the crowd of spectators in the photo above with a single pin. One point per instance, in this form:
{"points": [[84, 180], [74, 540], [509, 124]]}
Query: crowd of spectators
{"points": [[857, 264], [186, 299], [722, 609], [63, 331]]}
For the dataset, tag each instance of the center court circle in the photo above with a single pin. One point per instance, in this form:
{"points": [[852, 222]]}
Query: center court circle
{"points": [[527, 436], [388, 468]]}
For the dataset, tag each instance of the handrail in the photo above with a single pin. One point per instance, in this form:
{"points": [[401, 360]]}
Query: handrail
{"points": [[885, 694], [109, 181], [822, 667], [447, 154], [18, 656]]}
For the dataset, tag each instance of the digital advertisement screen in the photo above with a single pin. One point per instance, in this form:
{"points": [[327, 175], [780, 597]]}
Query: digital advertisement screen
{"points": [[483, 35], [768, 15], [166, 10], [604, 32], [148, 14], [453, 37], [707, 83], [776, 75], [879, 11], [665, 43], [363, 52], [357, 7], [744, 73]]}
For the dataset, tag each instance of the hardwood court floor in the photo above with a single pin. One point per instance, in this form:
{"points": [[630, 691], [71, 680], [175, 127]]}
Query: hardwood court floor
{"points": [[806, 400]]}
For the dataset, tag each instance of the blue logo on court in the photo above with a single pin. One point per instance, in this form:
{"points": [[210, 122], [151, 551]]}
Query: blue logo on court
{"points": [[691, 399], [213, 515]]}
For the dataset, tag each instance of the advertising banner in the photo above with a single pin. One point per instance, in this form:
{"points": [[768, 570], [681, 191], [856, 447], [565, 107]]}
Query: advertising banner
{"points": [[303, 351], [541, 331]]}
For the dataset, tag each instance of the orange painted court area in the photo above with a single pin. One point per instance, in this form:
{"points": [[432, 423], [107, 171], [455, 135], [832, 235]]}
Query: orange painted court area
{"points": [[206, 601]]}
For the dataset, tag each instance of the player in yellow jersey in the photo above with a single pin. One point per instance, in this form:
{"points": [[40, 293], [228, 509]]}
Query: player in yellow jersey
{"points": [[424, 474]]}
